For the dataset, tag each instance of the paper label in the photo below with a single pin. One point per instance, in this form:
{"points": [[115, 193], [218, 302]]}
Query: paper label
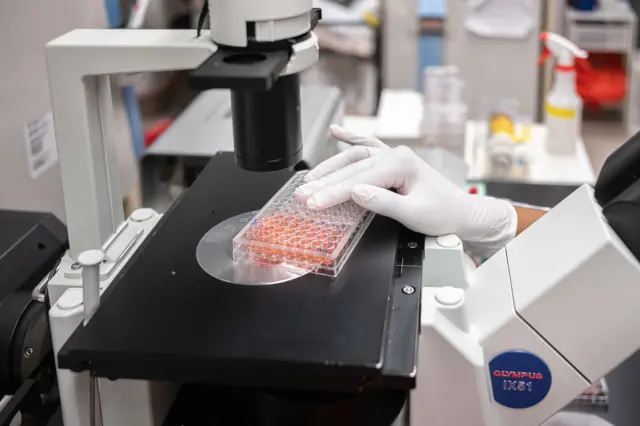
{"points": [[40, 140], [567, 113]]}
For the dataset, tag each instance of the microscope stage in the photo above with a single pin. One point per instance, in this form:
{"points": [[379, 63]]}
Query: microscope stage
{"points": [[166, 319]]}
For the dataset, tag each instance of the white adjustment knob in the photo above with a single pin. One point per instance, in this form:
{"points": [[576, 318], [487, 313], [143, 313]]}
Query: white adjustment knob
{"points": [[91, 261], [448, 241], [70, 300], [450, 296], [141, 215], [451, 305], [91, 258]]}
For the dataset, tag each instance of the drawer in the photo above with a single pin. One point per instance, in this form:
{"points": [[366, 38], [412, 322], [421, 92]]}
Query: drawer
{"points": [[598, 37]]}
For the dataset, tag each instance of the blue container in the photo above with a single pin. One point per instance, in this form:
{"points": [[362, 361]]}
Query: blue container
{"points": [[430, 54], [585, 5]]}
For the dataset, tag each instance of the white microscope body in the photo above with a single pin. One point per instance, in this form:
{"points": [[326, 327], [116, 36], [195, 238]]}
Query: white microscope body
{"points": [[500, 345], [515, 340]]}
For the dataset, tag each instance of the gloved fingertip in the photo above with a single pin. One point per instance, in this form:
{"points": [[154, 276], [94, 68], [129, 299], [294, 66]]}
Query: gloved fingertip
{"points": [[313, 204], [335, 128], [338, 132], [309, 177]]}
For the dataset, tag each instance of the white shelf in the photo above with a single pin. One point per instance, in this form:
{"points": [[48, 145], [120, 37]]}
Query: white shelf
{"points": [[544, 168], [398, 123], [609, 29]]}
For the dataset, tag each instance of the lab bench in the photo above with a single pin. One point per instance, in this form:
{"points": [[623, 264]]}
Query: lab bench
{"points": [[204, 128], [399, 123]]}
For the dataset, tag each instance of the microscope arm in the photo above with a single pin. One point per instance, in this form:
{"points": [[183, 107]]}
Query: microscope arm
{"points": [[515, 340], [80, 64]]}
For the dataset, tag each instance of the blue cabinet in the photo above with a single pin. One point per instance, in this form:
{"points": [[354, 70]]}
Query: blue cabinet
{"points": [[430, 53], [432, 8], [431, 43]]}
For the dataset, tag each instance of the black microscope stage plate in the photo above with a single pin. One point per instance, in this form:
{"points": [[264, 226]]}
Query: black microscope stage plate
{"points": [[164, 318]]}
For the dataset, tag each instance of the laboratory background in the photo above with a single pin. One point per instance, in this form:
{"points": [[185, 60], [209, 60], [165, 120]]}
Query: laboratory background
{"points": [[522, 100]]}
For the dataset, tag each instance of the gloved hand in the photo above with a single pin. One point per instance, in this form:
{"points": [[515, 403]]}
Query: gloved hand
{"points": [[424, 200]]}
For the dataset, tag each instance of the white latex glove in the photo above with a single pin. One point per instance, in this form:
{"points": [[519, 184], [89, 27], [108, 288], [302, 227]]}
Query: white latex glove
{"points": [[425, 201]]}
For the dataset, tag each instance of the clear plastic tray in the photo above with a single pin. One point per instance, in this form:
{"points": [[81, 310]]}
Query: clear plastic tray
{"points": [[286, 232]]}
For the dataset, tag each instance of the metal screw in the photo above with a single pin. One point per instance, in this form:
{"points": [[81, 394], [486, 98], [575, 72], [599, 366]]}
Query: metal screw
{"points": [[75, 266], [28, 352], [407, 289], [412, 245]]}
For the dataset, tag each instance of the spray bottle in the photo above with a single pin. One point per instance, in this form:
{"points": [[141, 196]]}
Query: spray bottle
{"points": [[563, 106]]}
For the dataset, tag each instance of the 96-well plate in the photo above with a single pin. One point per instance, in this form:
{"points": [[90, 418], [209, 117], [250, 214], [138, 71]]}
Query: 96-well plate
{"points": [[288, 233]]}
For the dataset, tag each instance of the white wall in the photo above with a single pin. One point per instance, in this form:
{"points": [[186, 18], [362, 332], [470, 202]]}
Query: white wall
{"points": [[400, 44], [25, 28], [491, 67]]}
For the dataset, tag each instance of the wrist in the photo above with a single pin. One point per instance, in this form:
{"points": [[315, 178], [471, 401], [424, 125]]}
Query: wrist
{"points": [[490, 223], [527, 216]]}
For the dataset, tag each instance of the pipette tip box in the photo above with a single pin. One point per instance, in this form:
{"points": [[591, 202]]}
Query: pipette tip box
{"points": [[286, 232]]}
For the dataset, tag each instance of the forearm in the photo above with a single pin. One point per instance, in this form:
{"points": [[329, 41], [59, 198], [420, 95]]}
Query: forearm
{"points": [[527, 216]]}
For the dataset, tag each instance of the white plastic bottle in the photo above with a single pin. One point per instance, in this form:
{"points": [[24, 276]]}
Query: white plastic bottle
{"points": [[563, 106]]}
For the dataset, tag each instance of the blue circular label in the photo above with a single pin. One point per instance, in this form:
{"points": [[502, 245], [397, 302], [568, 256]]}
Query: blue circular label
{"points": [[520, 379]]}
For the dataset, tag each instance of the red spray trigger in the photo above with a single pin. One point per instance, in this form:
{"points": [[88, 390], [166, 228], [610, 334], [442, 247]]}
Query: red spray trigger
{"points": [[545, 52], [544, 56]]}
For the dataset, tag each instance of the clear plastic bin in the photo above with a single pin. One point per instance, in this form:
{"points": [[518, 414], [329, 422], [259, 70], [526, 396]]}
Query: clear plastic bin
{"points": [[608, 28], [602, 37], [445, 111], [285, 232], [442, 85]]}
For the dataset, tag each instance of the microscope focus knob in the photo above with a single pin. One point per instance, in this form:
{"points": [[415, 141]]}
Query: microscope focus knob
{"points": [[450, 296], [451, 305], [448, 241]]}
